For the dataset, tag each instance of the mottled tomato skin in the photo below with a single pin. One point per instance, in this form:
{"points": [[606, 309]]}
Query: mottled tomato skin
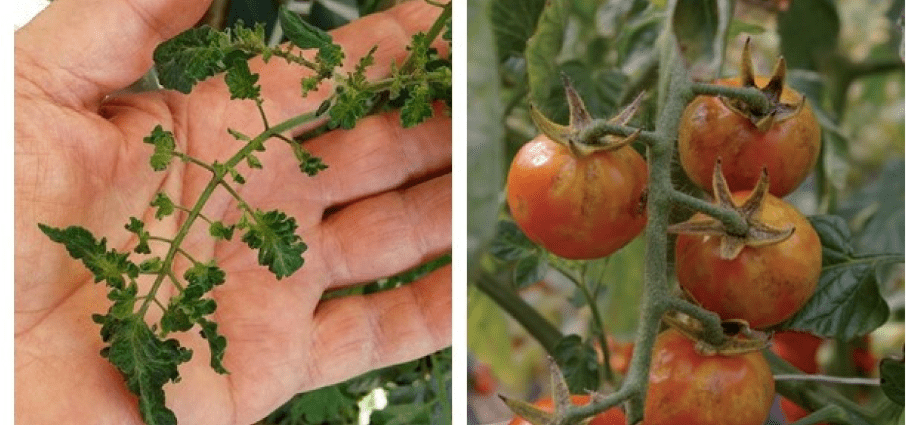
{"points": [[794, 412], [577, 207], [483, 380], [798, 348], [710, 130], [687, 388], [614, 416], [763, 285]]}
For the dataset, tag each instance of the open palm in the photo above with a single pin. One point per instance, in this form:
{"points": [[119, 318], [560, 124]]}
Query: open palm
{"points": [[382, 207]]}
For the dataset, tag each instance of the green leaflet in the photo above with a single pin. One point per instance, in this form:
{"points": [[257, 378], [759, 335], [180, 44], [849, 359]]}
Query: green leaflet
{"points": [[280, 249], [190, 57], [418, 107], [306, 36], [111, 266], [578, 362], [164, 147], [145, 361], [240, 80]]}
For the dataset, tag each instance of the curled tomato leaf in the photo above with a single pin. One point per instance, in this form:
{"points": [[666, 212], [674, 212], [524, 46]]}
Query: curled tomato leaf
{"points": [[108, 265], [892, 371], [216, 342], [190, 57], [578, 362], [273, 234], [164, 147], [240, 80], [146, 362], [163, 204]]}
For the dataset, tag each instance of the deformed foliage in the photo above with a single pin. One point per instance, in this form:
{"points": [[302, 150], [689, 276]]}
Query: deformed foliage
{"points": [[145, 353]]}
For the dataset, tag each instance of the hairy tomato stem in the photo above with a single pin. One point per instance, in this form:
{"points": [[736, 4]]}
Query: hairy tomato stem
{"points": [[734, 222], [750, 95]]}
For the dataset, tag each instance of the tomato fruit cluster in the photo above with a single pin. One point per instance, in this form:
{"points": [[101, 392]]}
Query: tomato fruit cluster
{"points": [[577, 206]]}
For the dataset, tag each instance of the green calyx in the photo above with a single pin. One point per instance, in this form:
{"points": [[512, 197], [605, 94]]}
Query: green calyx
{"points": [[575, 135]]}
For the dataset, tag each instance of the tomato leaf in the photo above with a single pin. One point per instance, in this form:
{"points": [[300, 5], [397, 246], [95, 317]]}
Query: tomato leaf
{"points": [[847, 302], [878, 211], [808, 32], [325, 405], [280, 248], [189, 306], [306, 36], [529, 270], [190, 57], [164, 146], [146, 362], [351, 104], [217, 343], [892, 375], [601, 90], [578, 361], [417, 107], [511, 245], [540, 55], [308, 164], [219, 231], [301, 33], [700, 27], [240, 80], [486, 149], [143, 237], [108, 265], [163, 204], [513, 22]]}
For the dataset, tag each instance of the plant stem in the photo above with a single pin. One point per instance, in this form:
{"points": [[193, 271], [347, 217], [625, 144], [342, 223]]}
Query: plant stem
{"points": [[601, 128], [828, 379], [750, 95], [806, 394], [433, 32], [541, 329], [655, 291], [591, 300], [711, 322], [734, 223]]}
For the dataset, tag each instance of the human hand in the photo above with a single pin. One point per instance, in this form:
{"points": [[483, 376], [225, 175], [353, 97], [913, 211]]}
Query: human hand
{"points": [[383, 206]]}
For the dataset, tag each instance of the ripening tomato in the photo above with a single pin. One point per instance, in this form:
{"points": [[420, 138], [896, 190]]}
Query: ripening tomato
{"points": [[577, 207], [688, 388], [709, 130], [482, 379], [614, 416], [798, 348], [762, 285], [792, 411], [620, 353]]}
